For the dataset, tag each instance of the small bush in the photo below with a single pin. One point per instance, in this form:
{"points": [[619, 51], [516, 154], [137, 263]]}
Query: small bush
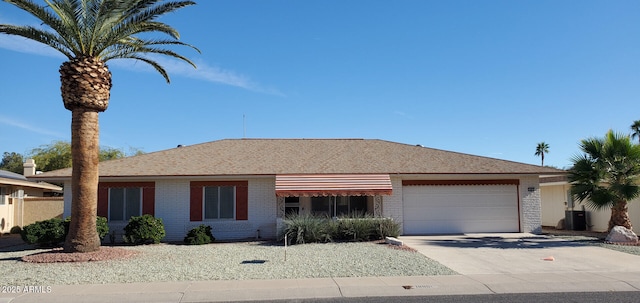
{"points": [[15, 230], [357, 229], [387, 227], [144, 229], [199, 235], [307, 228], [45, 233]]}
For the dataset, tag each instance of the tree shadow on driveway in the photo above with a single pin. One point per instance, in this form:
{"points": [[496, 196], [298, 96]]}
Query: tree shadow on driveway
{"points": [[504, 243]]}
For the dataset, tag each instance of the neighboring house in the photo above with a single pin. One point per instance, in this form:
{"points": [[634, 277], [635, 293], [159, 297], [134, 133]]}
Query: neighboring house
{"points": [[244, 187], [23, 202], [556, 199]]}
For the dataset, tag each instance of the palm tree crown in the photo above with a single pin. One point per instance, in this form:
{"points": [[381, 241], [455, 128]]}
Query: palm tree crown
{"points": [[635, 130], [607, 175], [102, 29], [541, 149]]}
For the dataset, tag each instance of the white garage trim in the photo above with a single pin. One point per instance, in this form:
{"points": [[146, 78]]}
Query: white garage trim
{"points": [[468, 208]]}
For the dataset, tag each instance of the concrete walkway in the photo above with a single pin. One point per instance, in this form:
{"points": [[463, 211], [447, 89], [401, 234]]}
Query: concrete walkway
{"points": [[489, 264]]}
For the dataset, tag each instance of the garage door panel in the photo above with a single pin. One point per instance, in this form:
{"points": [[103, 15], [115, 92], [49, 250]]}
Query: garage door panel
{"points": [[460, 209], [460, 213], [462, 226]]}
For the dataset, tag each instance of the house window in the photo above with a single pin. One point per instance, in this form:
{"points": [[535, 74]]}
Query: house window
{"points": [[292, 205], [3, 193], [219, 202], [339, 206], [124, 203]]}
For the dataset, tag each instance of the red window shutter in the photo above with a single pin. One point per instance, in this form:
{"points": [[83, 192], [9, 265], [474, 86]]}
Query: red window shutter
{"points": [[103, 201], [195, 207], [242, 201], [148, 200]]}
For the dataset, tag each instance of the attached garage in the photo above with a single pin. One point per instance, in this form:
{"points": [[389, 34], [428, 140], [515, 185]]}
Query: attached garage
{"points": [[460, 207]]}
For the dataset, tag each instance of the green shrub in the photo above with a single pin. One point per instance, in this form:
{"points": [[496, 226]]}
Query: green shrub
{"points": [[144, 229], [45, 233], [199, 235], [387, 227], [357, 229], [52, 232], [307, 228], [15, 230]]}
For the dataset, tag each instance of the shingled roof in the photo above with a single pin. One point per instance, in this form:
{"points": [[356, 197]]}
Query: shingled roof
{"points": [[304, 156]]}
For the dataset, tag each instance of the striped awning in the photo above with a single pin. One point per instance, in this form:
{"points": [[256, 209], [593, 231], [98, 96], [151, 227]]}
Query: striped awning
{"points": [[333, 185]]}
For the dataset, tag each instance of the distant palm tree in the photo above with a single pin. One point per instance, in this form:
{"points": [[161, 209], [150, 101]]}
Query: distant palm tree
{"points": [[607, 175], [635, 130], [541, 149], [90, 33]]}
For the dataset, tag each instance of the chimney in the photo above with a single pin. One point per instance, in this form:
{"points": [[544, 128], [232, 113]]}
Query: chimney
{"points": [[29, 167]]}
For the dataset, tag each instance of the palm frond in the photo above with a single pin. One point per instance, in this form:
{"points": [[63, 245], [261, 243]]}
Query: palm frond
{"points": [[607, 172], [35, 34], [104, 29], [153, 63]]}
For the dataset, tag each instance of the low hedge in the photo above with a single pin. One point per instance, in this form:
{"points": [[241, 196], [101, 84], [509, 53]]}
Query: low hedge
{"points": [[305, 228]]}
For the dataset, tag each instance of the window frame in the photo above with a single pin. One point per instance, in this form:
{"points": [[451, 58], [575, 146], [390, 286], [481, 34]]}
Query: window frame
{"points": [[332, 210], [3, 194], [219, 192], [124, 203]]}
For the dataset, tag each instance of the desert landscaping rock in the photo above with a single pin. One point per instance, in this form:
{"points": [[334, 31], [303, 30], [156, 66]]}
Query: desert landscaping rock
{"points": [[224, 261], [621, 235]]}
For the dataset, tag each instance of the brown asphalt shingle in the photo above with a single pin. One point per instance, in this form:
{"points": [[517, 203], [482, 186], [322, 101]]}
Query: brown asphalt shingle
{"points": [[304, 156]]}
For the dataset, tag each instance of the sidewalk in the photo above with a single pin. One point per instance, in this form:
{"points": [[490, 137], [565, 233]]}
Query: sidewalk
{"points": [[247, 290]]}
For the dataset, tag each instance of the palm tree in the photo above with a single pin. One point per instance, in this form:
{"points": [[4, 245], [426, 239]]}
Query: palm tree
{"points": [[635, 130], [90, 33], [607, 175], [541, 149]]}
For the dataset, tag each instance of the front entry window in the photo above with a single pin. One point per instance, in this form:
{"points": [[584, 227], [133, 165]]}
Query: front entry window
{"points": [[339, 206]]}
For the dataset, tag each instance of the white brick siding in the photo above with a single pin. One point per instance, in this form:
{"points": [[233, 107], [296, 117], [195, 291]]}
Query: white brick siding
{"points": [[172, 205], [261, 216], [530, 206], [392, 205]]}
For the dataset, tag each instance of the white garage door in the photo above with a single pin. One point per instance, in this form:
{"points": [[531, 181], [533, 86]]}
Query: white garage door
{"points": [[460, 209]]}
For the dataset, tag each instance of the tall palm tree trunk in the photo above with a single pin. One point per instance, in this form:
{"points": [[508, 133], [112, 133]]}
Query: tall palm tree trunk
{"points": [[620, 216], [85, 147], [86, 85]]}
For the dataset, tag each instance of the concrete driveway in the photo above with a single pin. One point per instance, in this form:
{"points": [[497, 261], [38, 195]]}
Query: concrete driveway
{"points": [[519, 253]]}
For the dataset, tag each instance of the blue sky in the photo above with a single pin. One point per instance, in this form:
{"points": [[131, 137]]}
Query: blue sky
{"points": [[490, 78]]}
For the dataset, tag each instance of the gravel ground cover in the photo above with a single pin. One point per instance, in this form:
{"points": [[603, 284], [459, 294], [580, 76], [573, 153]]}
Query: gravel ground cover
{"points": [[223, 261], [590, 238]]}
